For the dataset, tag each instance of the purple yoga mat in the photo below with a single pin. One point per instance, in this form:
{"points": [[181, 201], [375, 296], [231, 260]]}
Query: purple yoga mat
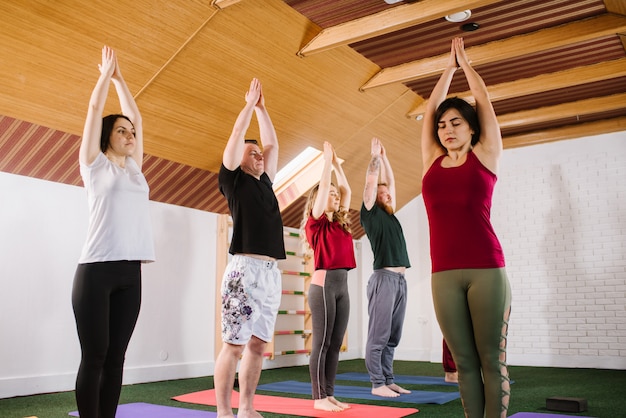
{"points": [[537, 415], [147, 410]]}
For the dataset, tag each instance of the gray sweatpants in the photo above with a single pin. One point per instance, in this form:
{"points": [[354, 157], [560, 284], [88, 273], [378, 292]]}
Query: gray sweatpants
{"points": [[386, 295]]}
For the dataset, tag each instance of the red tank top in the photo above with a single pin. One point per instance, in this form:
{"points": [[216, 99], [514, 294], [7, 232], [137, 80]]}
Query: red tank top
{"points": [[458, 205]]}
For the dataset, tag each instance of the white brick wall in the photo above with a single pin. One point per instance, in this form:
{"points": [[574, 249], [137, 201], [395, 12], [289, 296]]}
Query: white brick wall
{"points": [[559, 210]]}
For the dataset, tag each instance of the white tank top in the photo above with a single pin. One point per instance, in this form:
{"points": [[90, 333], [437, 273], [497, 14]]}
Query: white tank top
{"points": [[119, 213]]}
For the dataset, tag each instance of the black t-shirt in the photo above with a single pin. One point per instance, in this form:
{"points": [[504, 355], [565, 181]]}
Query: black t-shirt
{"points": [[257, 223]]}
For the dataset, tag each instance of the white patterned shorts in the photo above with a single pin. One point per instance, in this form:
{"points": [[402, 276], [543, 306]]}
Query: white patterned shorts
{"points": [[251, 292]]}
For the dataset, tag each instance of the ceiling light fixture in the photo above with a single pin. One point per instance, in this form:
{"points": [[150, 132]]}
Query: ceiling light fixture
{"points": [[459, 16], [392, 1]]}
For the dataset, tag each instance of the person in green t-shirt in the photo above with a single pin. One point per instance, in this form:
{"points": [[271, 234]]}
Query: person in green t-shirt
{"points": [[386, 288]]}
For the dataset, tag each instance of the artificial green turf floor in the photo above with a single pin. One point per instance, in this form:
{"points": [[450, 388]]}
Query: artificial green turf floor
{"points": [[605, 391]]}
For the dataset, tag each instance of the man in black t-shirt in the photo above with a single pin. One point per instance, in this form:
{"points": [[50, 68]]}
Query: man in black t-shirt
{"points": [[251, 286]]}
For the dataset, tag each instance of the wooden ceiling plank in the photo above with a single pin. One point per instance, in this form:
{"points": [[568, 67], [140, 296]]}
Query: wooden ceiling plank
{"points": [[387, 21], [542, 40], [566, 132], [175, 54], [562, 111], [545, 82]]}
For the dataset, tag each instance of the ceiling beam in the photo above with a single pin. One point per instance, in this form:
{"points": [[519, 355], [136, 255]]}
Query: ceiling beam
{"points": [[615, 6], [541, 40], [545, 82], [387, 21], [222, 4], [562, 111], [567, 132]]}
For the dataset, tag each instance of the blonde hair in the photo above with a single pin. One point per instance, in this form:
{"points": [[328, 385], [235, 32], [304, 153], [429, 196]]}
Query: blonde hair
{"points": [[340, 216]]}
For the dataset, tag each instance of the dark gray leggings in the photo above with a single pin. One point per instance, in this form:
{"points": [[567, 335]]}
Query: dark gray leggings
{"points": [[330, 309], [472, 308]]}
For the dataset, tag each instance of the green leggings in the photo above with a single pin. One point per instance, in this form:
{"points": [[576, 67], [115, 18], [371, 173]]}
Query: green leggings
{"points": [[472, 308]]}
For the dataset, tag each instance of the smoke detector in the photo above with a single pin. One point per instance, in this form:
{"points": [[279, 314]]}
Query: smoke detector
{"points": [[459, 16]]}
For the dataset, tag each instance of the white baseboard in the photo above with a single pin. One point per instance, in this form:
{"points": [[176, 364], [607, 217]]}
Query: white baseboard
{"points": [[32, 385], [586, 362]]}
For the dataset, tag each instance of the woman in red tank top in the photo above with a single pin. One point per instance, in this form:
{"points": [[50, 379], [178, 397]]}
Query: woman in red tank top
{"points": [[461, 148]]}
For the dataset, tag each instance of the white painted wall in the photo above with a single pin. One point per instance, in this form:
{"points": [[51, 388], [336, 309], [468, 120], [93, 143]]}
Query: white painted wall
{"points": [[42, 229], [559, 210]]}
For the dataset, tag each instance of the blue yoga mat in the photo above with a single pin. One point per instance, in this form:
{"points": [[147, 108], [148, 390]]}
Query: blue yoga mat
{"points": [[362, 392], [147, 410], [399, 379]]}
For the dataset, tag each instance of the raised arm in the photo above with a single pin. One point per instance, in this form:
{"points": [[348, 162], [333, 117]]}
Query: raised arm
{"points": [[342, 185], [233, 152], [269, 139], [371, 176], [130, 109], [489, 146], [431, 148], [321, 199], [90, 143], [386, 176]]}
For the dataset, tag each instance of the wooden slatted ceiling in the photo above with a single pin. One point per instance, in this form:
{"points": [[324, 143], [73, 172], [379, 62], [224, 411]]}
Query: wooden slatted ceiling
{"points": [[25, 147], [32, 150], [498, 21], [560, 59], [189, 62], [564, 95], [326, 13]]}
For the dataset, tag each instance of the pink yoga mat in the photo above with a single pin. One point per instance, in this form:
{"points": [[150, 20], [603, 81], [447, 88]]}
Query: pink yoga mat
{"points": [[301, 407]]}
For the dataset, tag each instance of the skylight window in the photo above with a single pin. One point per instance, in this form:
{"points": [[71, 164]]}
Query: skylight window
{"points": [[293, 167]]}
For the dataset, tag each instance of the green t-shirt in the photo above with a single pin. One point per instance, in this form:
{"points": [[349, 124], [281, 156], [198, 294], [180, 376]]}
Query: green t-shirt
{"points": [[386, 238]]}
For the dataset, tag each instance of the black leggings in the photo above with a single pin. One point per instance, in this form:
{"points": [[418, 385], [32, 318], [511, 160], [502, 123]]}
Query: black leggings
{"points": [[106, 298]]}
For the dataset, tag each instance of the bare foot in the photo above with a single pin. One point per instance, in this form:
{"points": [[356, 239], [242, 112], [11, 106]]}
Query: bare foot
{"points": [[326, 405], [452, 377], [248, 413], [398, 389], [341, 405], [385, 392]]}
